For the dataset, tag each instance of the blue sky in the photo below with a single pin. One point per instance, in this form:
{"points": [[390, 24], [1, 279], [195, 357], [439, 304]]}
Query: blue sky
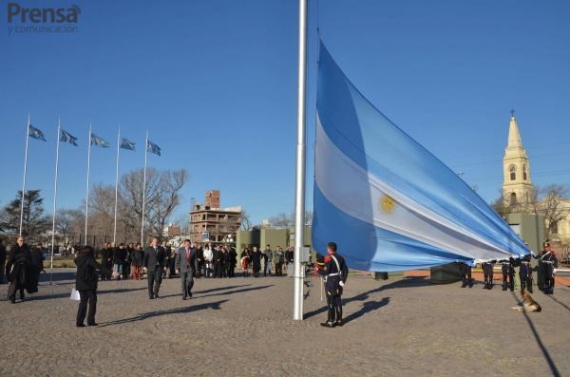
{"points": [[214, 83]]}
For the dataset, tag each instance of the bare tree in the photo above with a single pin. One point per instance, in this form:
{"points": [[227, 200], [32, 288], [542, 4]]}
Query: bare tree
{"points": [[162, 196], [550, 205], [245, 221], [281, 221]]}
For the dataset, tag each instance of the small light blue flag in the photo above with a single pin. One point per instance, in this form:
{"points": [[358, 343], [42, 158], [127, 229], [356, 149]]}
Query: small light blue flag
{"points": [[97, 141], [153, 148], [127, 144], [66, 137], [36, 133]]}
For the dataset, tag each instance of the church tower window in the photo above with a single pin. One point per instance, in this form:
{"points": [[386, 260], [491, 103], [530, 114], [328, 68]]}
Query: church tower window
{"points": [[525, 175], [513, 172], [513, 198]]}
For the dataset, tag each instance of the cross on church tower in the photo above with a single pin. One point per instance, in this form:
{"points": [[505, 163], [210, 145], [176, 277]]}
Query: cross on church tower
{"points": [[512, 113]]}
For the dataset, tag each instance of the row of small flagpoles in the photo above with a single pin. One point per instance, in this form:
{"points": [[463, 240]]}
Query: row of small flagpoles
{"points": [[66, 137]]}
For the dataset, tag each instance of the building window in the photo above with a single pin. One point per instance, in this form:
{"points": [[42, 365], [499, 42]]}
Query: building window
{"points": [[525, 175], [513, 199], [513, 172]]}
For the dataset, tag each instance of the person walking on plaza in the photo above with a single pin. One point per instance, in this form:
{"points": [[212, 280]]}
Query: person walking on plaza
{"points": [[86, 284], [267, 260], [137, 257], [153, 261], [186, 264], [335, 272], [488, 274], [17, 267]]}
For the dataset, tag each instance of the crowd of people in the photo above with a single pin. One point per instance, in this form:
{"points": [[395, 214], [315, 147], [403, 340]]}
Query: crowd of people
{"points": [[212, 261], [546, 269]]}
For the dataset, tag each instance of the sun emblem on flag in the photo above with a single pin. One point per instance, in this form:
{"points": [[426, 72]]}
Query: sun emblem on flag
{"points": [[387, 204]]}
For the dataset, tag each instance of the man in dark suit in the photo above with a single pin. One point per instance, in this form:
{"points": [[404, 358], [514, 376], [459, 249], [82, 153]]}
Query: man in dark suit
{"points": [[186, 264], [153, 261]]}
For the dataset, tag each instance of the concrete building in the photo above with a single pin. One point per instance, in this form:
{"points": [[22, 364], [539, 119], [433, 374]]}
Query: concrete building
{"points": [[210, 223]]}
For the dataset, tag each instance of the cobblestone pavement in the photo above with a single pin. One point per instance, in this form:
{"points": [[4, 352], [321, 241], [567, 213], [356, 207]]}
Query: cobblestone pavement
{"points": [[243, 327]]}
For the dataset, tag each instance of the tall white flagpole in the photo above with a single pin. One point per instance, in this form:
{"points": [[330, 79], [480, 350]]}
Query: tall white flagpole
{"points": [[87, 190], [54, 198], [301, 162], [144, 188], [117, 184], [25, 172]]}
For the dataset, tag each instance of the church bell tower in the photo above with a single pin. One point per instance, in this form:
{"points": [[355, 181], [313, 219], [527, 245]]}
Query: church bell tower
{"points": [[517, 187]]}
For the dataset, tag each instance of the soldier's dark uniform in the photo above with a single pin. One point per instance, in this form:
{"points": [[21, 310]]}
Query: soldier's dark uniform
{"points": [[335, 272], [465, 271], [508, 271], [549, 263], [525, 273], [488, 274]]}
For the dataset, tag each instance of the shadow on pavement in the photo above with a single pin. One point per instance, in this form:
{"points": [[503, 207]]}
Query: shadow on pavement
{"points": [[367, 307], [558, 302], [199, 294], [182, 310], [545, 352], [413, 281], [43, 297]]}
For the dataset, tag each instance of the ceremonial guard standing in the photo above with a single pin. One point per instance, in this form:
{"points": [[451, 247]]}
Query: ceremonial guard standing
{"points": [[508, 271], [488, 274], [525, 273], [549, 265], [335, 272]]}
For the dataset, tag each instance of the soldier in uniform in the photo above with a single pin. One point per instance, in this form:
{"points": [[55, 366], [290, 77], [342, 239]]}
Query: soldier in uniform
{"points": [[549, 265], [335, 271], [508, 271], [525, 273], [488, 274], [465, 271]]}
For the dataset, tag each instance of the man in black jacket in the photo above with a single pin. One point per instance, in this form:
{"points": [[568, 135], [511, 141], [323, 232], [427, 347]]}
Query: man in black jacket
{"points": [[86, 284], [154, 258], [17, 269]]}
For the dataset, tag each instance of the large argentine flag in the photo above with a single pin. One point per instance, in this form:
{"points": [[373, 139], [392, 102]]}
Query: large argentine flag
{"points": [[386, 201]]}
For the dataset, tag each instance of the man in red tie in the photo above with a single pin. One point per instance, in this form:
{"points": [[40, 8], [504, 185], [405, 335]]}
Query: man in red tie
{"points": [[185, 266]]}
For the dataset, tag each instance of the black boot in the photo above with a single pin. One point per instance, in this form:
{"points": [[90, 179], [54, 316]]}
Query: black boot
{"points": [[339, 321]]}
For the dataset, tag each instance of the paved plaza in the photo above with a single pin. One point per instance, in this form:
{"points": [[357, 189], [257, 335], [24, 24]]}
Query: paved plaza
{"points": [[243, 327]]}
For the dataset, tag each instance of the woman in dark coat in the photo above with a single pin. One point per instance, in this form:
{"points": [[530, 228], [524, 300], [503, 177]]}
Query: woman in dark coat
{"points": [[17, 269], [86, 284]]}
